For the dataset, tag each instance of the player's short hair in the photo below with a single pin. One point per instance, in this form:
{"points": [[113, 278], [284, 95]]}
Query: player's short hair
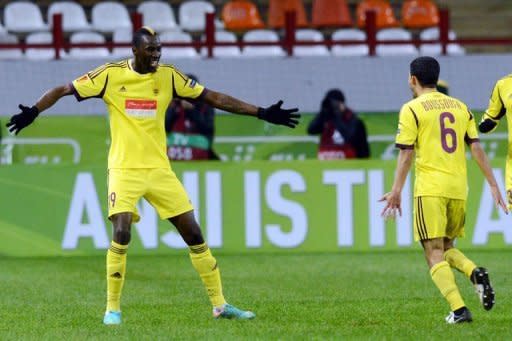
{"points": [[426, 70], [141, 32]]}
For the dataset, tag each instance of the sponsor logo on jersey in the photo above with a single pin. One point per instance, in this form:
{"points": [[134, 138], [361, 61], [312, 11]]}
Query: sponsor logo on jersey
{"points": [[122, 89], [155, 92], [140, 108]]}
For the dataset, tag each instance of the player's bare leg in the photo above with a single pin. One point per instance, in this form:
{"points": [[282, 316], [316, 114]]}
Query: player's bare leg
{"points": [[443, 278], [206, 266], [116, 266], [479, 276]]}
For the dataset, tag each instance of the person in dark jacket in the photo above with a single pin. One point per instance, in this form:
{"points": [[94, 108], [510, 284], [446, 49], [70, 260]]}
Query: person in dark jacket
{"points": [[190, 130], [342, 133]]}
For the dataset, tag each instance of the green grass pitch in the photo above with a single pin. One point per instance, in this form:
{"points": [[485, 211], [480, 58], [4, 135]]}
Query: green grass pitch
{"points": [[345, 295]]}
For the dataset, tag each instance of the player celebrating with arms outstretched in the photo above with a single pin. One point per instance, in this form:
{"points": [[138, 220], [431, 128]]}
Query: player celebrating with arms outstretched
{"points": [[436, 126], [137, 92]]}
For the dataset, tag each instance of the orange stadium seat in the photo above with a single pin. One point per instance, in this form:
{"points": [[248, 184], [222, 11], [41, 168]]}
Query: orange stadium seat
{"points": [[385, 16], [331, 13], [419, 14], [278, 8], [241, 15]]}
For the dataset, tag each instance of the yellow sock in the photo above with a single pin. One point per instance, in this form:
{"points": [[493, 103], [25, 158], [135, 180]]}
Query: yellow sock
{"points": [[459, 261], [206, 266], [444, 279], [116, 269]]}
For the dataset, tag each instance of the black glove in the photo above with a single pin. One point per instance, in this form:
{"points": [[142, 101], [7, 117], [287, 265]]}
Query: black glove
{"points": [[274, 114], [23, 119], [487, 125]]}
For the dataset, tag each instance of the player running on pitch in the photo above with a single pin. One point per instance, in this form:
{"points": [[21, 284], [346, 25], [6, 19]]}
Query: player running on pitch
{"points": [[137, 92], [435, 127]]}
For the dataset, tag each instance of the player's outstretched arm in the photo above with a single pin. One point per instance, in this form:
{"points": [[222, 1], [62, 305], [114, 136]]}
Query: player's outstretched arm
{"points": [[394, 198], [29, 114], [482, 161], [273, 114]]}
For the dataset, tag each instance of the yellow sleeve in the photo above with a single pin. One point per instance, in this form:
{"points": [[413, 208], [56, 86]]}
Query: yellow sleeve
{"points": [[407, 128], [496, 109], [471, 131], [185, 87], [92, 84]]}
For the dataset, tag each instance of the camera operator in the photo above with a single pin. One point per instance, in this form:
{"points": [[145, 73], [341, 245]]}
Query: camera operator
{"points": [[343, 134]]}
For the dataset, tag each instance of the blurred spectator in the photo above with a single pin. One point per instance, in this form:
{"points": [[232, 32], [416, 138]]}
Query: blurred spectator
{"points": [[443, 87], [190, 129], [343, 134]]}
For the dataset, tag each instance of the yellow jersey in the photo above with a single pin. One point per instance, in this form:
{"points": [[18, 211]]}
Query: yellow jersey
{"points": [[136, 105], [437, 126], [500, 104]]}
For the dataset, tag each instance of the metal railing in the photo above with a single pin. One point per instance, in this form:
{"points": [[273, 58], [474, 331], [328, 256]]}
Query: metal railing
{"points": [[288, 42]]}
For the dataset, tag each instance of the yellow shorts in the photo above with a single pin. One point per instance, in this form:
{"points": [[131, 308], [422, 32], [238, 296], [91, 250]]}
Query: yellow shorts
{"points": [[438, 217], [159, 186]]}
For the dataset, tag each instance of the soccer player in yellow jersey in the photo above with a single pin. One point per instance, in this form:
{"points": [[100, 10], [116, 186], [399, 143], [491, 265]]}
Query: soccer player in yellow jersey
{"points": [[137, 92], [501, 99], [435, 127]]}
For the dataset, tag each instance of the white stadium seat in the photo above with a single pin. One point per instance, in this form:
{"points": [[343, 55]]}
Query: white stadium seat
{"points": [[192, 15], [436, 49], [349, 50], [158, 15], [395, 49], [122, 36], [223, 51], [108, 16], [73, 16], [41, 53], [177, 52], [308, 51], [91, 52], [23, 17], [15, 52], [262, 51]]}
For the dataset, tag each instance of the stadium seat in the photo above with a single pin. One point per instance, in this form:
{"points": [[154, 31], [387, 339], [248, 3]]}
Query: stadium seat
{"points": [[223, 51], [23, 17], [241, 15], [192, 15], [384, 12], [309, 51], [395, 49], [108, 16], [8, 53], [262, 51], [41, 53], [91, 52], [278, 8], [122, 35], [2, 28], [419, 14], [331, 13], [177, 52], [73, 16], [436, 49], [349, 50], [158, 15]]}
